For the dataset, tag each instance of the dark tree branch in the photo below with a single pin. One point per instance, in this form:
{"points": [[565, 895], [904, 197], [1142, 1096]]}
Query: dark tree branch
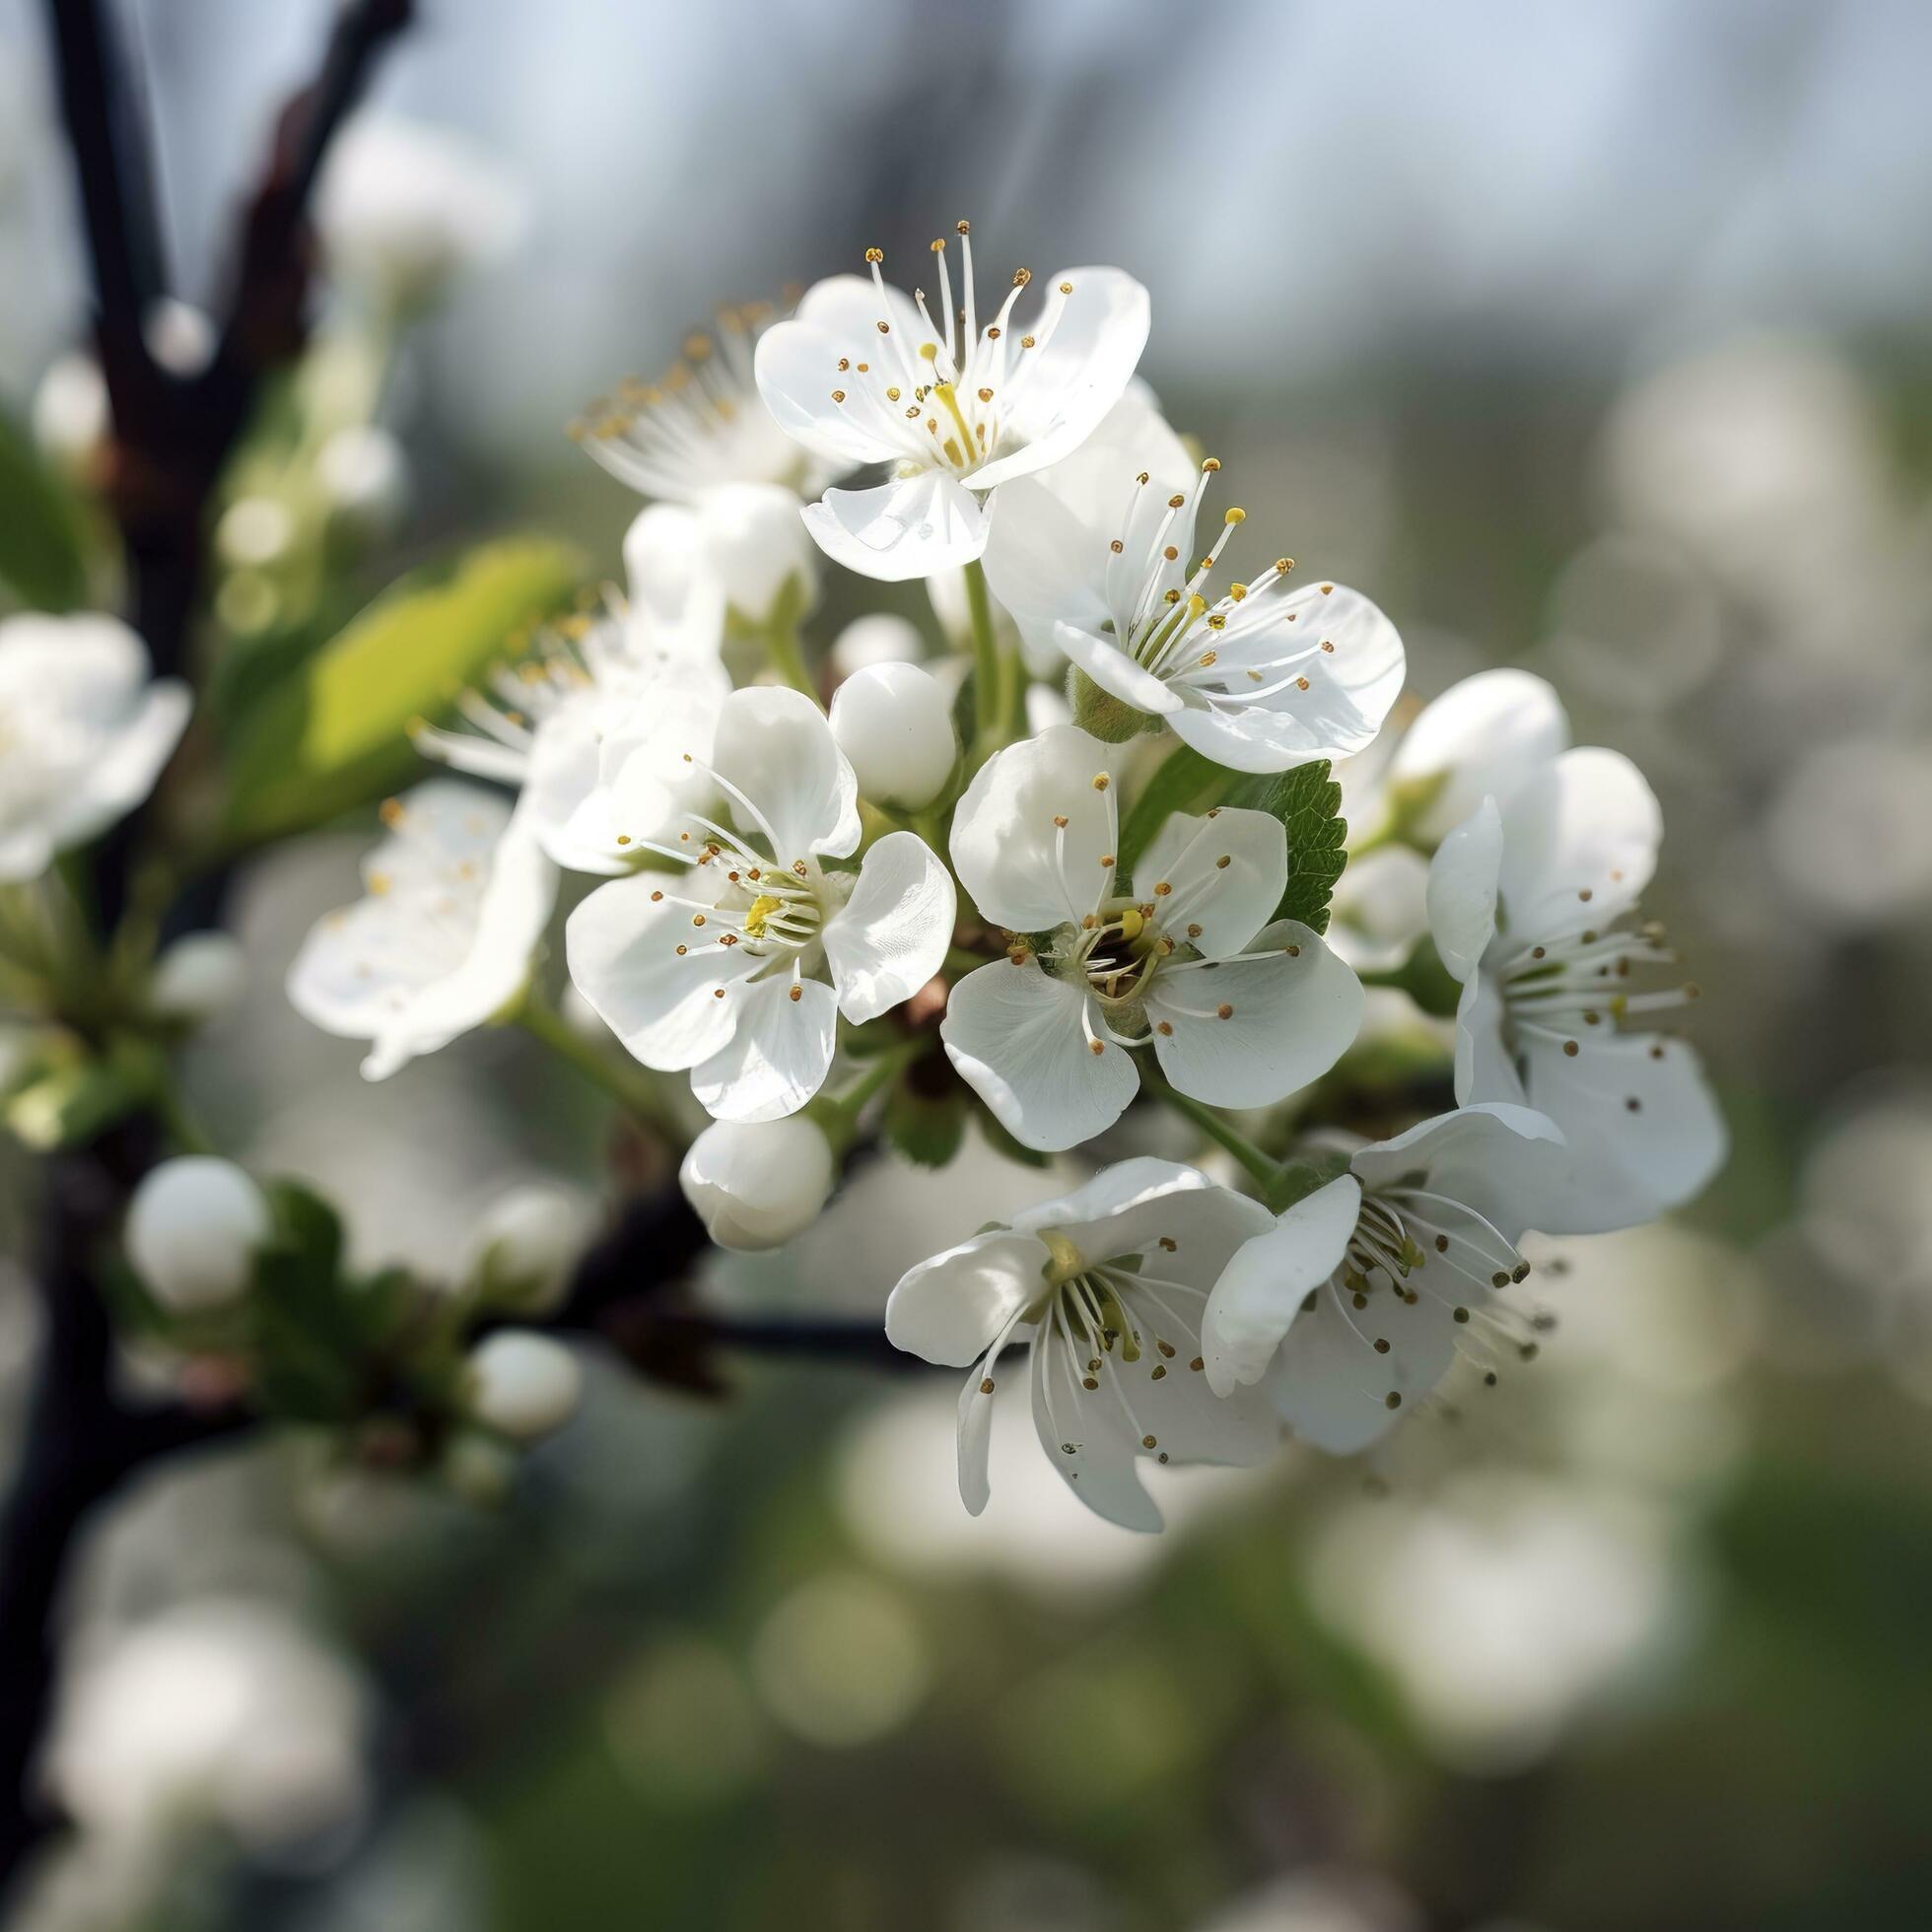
{"points": [[123, 233], [171, 438]]}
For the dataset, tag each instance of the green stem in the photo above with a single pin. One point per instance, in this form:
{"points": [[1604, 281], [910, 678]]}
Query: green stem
{"points": [[636, 1096], [996, 684], [1264, 1171], [782, 647], [839, 1117]]}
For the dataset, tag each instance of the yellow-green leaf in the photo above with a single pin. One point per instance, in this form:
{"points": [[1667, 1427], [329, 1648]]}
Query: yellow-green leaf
{"points": [[336, 733]]}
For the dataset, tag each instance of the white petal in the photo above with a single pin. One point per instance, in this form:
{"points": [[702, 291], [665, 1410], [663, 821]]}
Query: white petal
{"points": [[495, 964], [129, 761], [1332, 1385], [913, 527], [1580, 838], [1351, 687], [1485, 1069], [1380, 908], [1480, 737], [1293, 1015], [776, 748], [676, 605], [1226, 874], [1005, 842], [1042, 565], [622, 946], [1018, 1041], [950, 1309], [1263, 1288], [891, 935], [1062, 391], [1463, 888], [797, 367], [779, 1053], [1114, 672], [1166, 1217], [1626, 1164], [1505, 1162], [1089, 1441]]}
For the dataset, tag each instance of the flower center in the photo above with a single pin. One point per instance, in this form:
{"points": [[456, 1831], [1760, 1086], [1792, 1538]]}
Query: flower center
{"points": [[1410, 1242], [1558, 989], [952, 399], [1223, 654], [699, 424]]}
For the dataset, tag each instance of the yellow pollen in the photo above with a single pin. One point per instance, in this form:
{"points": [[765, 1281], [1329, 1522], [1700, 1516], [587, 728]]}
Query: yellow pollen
{"points": [[874, 254], [1235, 515]]}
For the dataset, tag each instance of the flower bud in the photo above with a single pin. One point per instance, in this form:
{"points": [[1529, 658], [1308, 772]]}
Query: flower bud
{"points": [[523, 1385], [193, 1227], [880, 639], [756, 1185], [893, 722], [199, 978], [754, 542], [365, 478], [525, 1243]]}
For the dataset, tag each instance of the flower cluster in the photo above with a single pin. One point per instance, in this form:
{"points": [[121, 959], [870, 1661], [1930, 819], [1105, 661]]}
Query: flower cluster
{"points": [[1072, 868]]}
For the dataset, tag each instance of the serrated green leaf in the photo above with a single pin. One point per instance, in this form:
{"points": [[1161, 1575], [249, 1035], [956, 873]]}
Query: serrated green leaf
{"points": [[1308, 803], [43, 530], [336, 735], [1184, 781]]}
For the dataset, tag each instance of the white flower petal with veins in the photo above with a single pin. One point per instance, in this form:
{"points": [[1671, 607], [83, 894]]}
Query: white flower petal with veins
{"points": [[1104, 1288], [723, 968], [1096, 560], [1239, 1013], [459, 896], [84, 732], [861, 375]]}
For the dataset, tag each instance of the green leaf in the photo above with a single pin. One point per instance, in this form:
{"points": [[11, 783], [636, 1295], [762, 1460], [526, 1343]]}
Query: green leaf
{"points": [[1308, 803], [42, 530], [336, 736], [925, 1129], [1184, 781]]}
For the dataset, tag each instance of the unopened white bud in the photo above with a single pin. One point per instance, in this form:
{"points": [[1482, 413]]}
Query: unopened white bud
{"points": [[365, 475], [755, 1185], [255, 530], [193, 1228], [879, 639], [199, 978], [754, 542], [70, 408], [525, 1243], [522, 1384], [894, 723]]}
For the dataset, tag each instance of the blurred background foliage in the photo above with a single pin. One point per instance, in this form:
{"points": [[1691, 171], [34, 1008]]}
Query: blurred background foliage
{"points": [[1590, 339]]}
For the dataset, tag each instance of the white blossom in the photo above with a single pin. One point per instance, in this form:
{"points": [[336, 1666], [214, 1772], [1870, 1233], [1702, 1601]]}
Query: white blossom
{"points": [[524, 1243], [1239, 1008], [219, 1711], [193, 1229], [594, 727], [719, 970], [861, 375], [200, 978], [1097, 562], [755, 1184], [84, 732], [894, 722], [457, 897], [702, 425], [1358, 1300], [1532, 906], [522, 1384], [1104, 1288], [403, 208], [1480, 738]]}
